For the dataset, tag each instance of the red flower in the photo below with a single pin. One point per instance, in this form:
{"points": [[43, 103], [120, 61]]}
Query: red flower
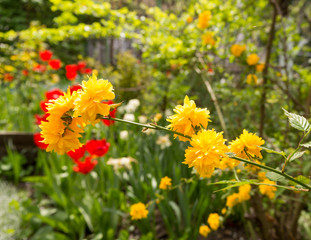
{"points": [[41, 118], [75, 88], [86, 71], [71, 75], [53, 94], [86, 166], [71, 68], [77, 154], [97, 147], [25, 72], [37, 138], [55, 64], [43, 105], [8, 77], [81, 65], [39, 68], [45, 55], [112, 114]]}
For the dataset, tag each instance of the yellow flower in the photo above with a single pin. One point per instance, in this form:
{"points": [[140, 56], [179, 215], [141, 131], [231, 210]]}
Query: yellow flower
{"points": [[206, 150], [204, 18], [227, 162], [188, 117], [252, 168], [60, 138], [244, 191], [89, 103], [64, 103], [157, 117], [260, 67], [237, 49], [232, 200], [252, 59], [223, 211], [138, 211], [13, 57], [261, 176], [251, 79], [165, 183], [207, 38], [247, 142], [204, 230], [268, 190], [189, 19], [9, 68], [213, 221]]}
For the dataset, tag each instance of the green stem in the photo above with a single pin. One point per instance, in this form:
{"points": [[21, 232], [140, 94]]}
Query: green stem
{"points": [[273, 170], [151, 125], [296, 150]]}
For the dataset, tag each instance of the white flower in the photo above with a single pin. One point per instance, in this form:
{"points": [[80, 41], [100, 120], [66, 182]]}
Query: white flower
{"points": [[164, 141], [118, 163], [142, 119], [129, 117], [132, 105], [124, 135], [149, 131]]}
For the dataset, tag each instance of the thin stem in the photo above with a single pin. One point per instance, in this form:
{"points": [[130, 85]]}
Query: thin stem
{"points": [[151, 125], [273, 170]]}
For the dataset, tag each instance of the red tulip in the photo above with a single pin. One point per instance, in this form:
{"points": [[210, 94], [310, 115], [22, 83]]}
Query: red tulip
{"points": [[112, 114], [86, 71], [39, 68], [81, 65], [71, 75], [97, 147], [37, 138], [8, 77], [86, 166], [41, 118], [25, 72], [53, 94], [45, 55], [77, 154], [55, 64], [71, 68], [75, 88]]}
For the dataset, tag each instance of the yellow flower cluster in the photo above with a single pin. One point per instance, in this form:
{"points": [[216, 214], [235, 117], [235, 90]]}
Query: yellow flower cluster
{"points": [[248, 144], [206, 151], [138, 211], [204, 230], [252, 59], [187, 118], [204, 18], [267, 190], [260, 67], [241, 196], [207, 38], [252, 79], [69, 114], [165, 183], [237, 49], [213, 221]]}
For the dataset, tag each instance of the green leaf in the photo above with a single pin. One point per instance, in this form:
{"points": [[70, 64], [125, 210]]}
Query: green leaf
{"points": [[306, 145], [297, 121], [297, 155], [272, 151], [275, 177], [300, 178]]}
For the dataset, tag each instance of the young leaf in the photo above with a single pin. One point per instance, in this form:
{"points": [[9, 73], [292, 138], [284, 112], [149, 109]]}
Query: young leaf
{"points": [[272, 151], [306, 145], [300, 178], [275, 177], [297, 155], [297, 121]]}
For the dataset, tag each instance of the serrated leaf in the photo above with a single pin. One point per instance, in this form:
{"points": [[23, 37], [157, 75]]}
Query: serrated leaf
{"points": [[115, 105], [272, 151], [300, 178], [306, 145], [297, 155], [297, 121], [275, 177]]}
